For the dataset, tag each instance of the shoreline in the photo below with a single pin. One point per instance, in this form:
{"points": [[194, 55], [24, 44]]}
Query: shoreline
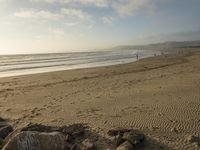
{"points": [[157, 95], [165, 53], [47, 69]]}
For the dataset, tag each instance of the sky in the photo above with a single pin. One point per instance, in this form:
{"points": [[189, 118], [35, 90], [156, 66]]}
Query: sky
{"points": [[52, 26]]}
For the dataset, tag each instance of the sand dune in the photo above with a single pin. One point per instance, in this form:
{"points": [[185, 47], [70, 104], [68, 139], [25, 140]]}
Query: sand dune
{"points": [[159, 96]]}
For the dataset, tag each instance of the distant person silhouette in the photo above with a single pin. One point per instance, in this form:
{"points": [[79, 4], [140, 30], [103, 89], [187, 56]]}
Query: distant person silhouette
{"points": [[137, 57]]}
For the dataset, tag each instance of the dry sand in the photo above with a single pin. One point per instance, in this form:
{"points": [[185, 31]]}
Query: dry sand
{"points": [[160, 96]]}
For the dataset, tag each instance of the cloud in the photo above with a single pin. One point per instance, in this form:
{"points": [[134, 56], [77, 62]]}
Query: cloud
{"points": [[131, 7], [71, 23], [108, 20], [90, 27], [99, 3], [121, 7], [75, 13], [69, 16], [37, 14]]}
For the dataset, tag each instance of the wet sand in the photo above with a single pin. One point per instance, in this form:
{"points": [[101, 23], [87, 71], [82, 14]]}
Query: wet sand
{"points": [[160, 96]]}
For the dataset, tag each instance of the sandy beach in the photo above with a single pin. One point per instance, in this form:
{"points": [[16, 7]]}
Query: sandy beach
{"points": [[160, 96]]}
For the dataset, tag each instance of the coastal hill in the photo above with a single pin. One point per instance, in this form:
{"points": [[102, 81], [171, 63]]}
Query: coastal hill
{"points": [[161, 46]]}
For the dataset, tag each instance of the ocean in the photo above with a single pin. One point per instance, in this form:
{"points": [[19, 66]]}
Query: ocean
{"points": [[13, 65]]}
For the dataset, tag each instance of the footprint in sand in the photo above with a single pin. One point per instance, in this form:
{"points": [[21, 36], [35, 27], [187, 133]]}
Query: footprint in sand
{"points": [[35, 112], [9, 109], [89, 112]]}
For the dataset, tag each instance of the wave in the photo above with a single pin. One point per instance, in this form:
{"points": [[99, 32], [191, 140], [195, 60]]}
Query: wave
{"points": [[37, 63]]}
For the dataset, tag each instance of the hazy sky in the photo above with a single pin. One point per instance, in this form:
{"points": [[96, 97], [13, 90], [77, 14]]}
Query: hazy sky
{"points": [[32, 26]]}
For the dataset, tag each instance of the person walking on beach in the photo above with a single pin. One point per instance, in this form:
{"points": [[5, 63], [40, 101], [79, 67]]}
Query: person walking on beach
{"points": [[137, 57]]}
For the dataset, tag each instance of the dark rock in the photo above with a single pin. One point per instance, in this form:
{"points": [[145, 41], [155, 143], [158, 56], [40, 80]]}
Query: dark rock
{"points": [[2, 120], [1, 141], [3, 124], [74, 130], [133, 138], [68, 138], [88, 145], [115, 132], [37, 141], [40, 128], [192, 139], [75, 147], [118, 140], [5, 131], [125, 146]]}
